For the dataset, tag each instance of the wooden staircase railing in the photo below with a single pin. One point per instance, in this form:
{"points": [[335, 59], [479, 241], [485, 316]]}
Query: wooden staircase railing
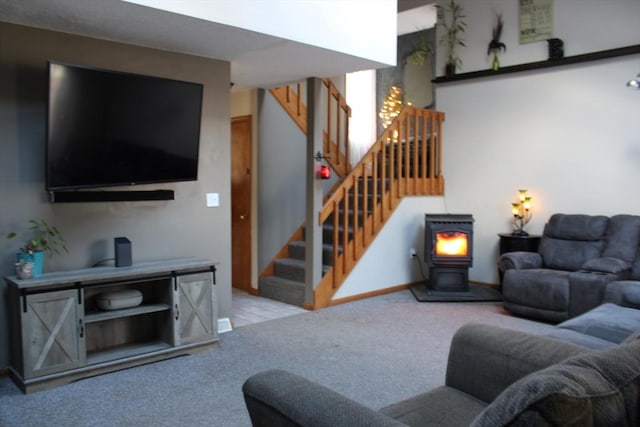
{"points": [[336, 127], [406, 160]]}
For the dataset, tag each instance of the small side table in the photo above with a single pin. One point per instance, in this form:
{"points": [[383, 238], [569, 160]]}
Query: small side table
{"points": [[513, 242]]}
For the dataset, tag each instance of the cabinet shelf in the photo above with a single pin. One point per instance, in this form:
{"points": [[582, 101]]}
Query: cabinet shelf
{"points": [[125, 351], [125, 312]]}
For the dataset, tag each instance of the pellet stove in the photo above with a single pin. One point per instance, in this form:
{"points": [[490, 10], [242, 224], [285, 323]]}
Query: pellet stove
{"points": [[448, 252]]}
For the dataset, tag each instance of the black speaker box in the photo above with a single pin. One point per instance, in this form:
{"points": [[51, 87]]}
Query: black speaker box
{"points": [[122, 248]]}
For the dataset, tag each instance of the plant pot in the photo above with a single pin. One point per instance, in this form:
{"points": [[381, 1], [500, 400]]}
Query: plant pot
{"points": [[35, 258], [24, 270], [450, 70]]}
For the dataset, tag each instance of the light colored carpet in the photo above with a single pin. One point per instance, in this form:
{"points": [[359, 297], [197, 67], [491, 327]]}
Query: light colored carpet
{"points": [[376, 351]]}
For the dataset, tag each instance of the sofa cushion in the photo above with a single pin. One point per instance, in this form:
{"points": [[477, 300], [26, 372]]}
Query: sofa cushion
{"points": [[598, 388], [571, 240], [623, 237], [576, 227], [568, 335], [608, 321], [625, 293], [606, 265], [538, 288], [570, 255], [441, 406]]}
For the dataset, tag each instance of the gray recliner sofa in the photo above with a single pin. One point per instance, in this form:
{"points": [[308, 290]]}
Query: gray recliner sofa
{"points": [[578, 256], [495, 377], [610, 324]]}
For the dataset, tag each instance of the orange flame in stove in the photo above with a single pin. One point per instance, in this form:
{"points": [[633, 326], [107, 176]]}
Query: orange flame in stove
{"points": [[451, 244]]}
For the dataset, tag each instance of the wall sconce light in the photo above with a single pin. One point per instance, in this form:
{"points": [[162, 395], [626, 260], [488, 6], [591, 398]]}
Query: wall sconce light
{"points": [[634, 83], [323, 171], [522, 213]]}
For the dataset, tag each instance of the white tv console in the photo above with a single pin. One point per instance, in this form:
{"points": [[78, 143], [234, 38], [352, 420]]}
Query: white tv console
{"points": [[58, 334]]}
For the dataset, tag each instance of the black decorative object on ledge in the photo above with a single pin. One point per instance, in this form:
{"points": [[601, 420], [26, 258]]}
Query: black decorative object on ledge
{"points": [[567, 60], [556, 49]]}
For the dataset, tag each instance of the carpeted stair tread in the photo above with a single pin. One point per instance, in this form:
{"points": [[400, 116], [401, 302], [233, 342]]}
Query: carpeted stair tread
{"points": [[297, 250], [293, 269], [283, 290]]}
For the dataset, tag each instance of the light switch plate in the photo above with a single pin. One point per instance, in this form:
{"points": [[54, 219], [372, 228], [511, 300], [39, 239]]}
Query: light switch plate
{"points": [[213, 200]]}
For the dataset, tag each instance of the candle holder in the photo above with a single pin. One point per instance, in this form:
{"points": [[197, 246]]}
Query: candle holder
{"points": [[522, 213]]}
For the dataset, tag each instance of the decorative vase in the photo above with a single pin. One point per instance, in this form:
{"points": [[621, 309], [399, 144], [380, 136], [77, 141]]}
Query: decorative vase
{"points": [[556, 48], [495, 64], [24, 270], [36, 258]]}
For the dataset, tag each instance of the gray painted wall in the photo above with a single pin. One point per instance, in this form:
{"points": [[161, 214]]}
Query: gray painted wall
{"points": [[282, 151], [182, 227], [281, 177], [568, 134]]}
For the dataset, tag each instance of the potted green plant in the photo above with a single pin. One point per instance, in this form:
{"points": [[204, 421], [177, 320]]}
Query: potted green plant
{"points": [[451, 19], [45, 238], [422, 50]]}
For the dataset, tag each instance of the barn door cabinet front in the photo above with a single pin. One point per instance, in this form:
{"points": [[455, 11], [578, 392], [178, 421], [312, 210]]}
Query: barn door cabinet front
{"points": [[52, 332], [195, 308]]}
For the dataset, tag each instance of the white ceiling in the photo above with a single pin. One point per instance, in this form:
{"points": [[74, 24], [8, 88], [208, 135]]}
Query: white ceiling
{"points": [[257, 60], [416, 19]]}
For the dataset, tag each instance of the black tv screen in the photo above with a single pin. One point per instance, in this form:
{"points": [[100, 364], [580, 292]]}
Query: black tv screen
{"points": [[107, 128]]}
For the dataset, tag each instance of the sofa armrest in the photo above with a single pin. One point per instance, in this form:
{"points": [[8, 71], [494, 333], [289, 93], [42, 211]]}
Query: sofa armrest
{"points": [[519, 261], [625, 293], [484, 359], [280, 398]]}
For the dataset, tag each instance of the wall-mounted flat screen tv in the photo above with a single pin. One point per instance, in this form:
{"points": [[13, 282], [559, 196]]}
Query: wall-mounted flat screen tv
{"points": [[107, 128]]}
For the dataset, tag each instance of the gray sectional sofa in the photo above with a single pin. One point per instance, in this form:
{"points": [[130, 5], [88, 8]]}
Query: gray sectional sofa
{"points": [[579, 255], [585, 372], [495, 377]]}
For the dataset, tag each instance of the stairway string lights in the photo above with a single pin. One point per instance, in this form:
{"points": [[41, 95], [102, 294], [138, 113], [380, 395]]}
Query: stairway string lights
{"points": [[391, 106]]}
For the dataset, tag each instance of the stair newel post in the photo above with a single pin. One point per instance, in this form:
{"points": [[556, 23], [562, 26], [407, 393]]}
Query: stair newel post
{"points": [[313, 232]]}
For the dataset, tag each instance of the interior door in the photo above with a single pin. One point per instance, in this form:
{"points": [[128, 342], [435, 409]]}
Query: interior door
{"points": [[241, 202]]}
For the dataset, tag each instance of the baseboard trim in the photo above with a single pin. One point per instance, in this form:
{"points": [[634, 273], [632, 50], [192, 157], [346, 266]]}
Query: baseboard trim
{"points": [[490, 285], [371, 294], [390, 290]]}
